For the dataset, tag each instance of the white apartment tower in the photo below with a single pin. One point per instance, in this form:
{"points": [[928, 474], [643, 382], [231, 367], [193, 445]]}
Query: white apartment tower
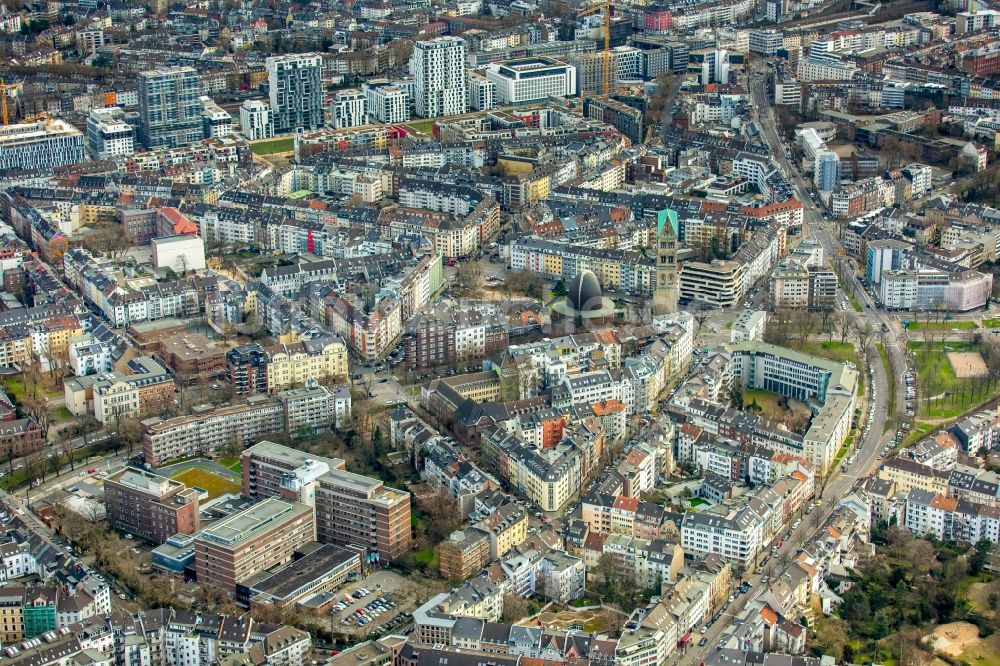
{"points": [[386, 103], [256, 120], [295, 87], [439, 67], [347, 109], [108, 135]]}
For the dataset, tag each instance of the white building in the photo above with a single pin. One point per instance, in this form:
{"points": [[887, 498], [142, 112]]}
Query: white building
{"points": [[256, 121], [88, 356], [44, 144], [347, 109], [108, 135], [748, 326], [482, 93], [180, 253], [531, 80], [386, 103], [216, 120], [439, 68], [295, 87]]}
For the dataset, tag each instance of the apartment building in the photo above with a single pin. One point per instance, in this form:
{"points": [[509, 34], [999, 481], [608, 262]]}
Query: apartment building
{"points": [[718, 283], [169, 110], [312, 408], [347, 109], [350, 509], [615, 269], [295, 87], [256, 120], [439, 68], [149, 389], [108, 135], [248, 542], [385, 102], [464, 554], [252, 369], [150, 506], [736, 536]]}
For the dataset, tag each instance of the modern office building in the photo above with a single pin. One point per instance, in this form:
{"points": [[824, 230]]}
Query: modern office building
{"points": [[150, 506], [350, 509], [930, 289], [718, 282], [439, 67], [169, 107], [256, 539], [256, 120], [528, 80], [347, 109], [40, 145], [108, 135], [295, 87]]}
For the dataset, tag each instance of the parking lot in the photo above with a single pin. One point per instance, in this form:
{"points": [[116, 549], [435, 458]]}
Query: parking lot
{"points": [[382, 609]]}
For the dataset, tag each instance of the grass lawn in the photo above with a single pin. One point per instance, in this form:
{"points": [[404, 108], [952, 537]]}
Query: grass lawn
{"points": [[206, 480], [884, 355], [697, 501], [273, 146], [983, 653], [766, 400], [14, 387], [953, 325], [837, 351], [62, 414], [231, 462], [991, 323], [920, 429], [935, 377], [425, 126], [428, 557]]}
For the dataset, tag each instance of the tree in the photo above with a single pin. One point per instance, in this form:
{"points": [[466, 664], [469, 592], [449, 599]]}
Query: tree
{"points": [[443, 516], [980, 555], [108, 239], [515, 607], [469, 278], [736, 395]]}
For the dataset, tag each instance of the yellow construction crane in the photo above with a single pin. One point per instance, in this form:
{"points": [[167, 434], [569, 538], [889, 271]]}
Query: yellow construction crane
{"points": [[606, 6], [3, 102]]}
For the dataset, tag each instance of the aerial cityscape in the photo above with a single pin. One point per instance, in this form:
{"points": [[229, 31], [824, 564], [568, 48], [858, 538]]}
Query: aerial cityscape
{"points": [[500, 333]]}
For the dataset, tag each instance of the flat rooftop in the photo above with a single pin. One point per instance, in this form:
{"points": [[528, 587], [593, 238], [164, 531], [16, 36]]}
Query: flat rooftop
{"points": [[291, 578], [250, 522]]}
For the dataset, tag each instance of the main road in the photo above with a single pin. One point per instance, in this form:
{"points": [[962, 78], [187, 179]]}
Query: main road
{"points": [[870, 447]]}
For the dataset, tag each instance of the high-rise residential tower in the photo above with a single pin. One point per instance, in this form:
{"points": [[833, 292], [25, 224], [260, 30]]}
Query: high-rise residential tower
{"points": [[295, 86], [169, 107], [439, 67]]}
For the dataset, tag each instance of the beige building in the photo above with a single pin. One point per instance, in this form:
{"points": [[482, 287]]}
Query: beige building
{"points": [[291, 365]]}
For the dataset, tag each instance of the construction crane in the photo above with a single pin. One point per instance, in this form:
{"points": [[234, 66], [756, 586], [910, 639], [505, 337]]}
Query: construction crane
{"points": [[606, 6], [4, 87]]}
